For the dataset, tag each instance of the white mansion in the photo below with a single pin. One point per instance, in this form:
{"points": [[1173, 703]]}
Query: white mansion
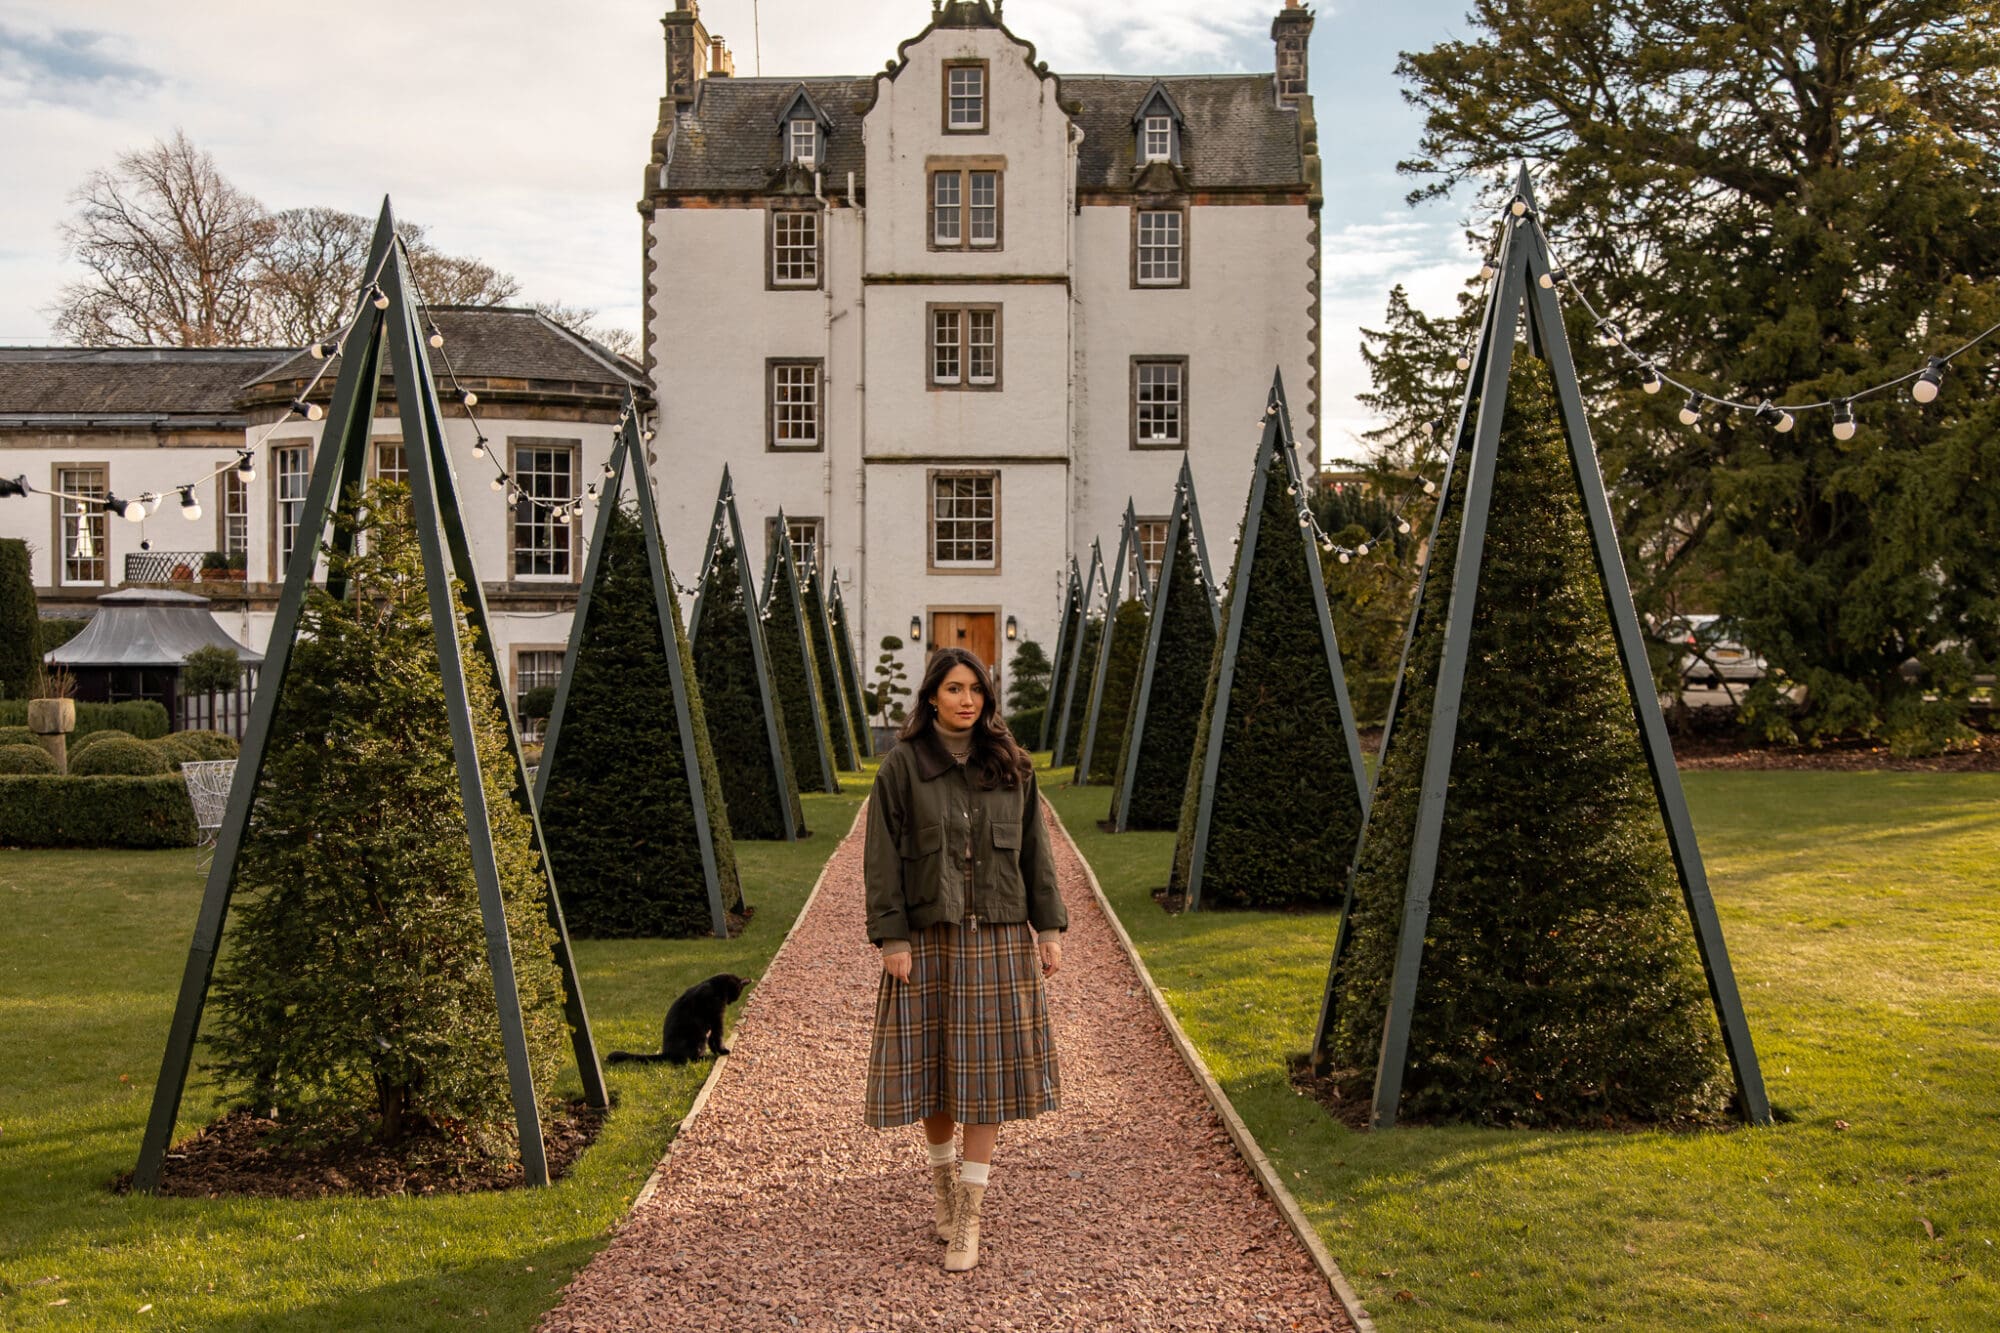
{"points": [[951, 316]]}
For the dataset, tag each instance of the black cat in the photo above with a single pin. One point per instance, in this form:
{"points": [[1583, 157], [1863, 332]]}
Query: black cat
{"points": [[695, 1018]]}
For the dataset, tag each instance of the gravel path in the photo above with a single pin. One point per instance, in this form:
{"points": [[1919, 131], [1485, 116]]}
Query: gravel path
{"points": [[1126, 1209]]}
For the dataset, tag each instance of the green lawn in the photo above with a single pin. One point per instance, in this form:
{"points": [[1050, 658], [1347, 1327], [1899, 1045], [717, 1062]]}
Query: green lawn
{"points": [[91, 949], [1863, 917]]}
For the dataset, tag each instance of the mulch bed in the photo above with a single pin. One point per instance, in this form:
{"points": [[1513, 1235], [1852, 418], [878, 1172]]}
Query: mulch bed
{"points": [[242, 1155]]}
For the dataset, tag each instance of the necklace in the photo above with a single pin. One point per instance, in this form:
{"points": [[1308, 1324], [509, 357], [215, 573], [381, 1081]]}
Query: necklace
{"points": [[958, 752]]}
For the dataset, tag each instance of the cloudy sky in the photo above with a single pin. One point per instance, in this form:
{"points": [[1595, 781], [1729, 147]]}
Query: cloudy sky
{"points": [[517, 130]]}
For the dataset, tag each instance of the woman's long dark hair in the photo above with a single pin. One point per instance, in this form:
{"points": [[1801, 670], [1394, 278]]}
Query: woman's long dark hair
{"points": [[997, 758]]}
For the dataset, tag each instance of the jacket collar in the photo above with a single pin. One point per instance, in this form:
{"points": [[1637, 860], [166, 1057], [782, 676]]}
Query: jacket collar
{"points": [[932, 760]]}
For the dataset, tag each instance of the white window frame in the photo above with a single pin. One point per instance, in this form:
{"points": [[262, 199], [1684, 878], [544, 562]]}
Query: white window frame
{"points": [[1159, 396], [291, 478], [535, 667], [233, 501], [957, 512], [803, 535], [803, 141], [965, 99], [794, 247], [537, 537], [1162, 247], [948, 209], [982, 346], [1159, 138], [78, 517], [947, 350], [1152, 548], [796, 402]]}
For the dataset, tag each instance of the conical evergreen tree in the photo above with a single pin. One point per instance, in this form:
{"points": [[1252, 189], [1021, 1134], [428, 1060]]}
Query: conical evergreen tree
{"points": [[20, 653], [850, 672], [826, 662], [1288, 798], [1069, 629], [1121, 679], [616, 805], [758, 790], [788, 636], [356, 984], [1173, 678], [1559, 983], [1082, 672]]}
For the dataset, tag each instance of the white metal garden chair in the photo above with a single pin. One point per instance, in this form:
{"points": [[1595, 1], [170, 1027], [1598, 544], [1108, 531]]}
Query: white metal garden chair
{"points": [[208, 791]]}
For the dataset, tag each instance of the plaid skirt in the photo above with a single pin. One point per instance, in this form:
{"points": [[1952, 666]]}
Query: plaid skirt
{"points": [[967, 1034]]}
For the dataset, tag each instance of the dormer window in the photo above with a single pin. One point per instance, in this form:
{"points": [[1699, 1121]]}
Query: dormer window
{"points": [[1158, 128], [804, 141], [1159, 139]]}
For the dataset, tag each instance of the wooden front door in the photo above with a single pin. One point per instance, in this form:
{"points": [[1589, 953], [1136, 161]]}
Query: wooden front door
{"points": [[970, 630]]}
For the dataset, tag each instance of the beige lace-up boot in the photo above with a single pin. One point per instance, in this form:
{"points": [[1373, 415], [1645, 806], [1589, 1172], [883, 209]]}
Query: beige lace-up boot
{"points": [[942, 1179], [963, 1252]]}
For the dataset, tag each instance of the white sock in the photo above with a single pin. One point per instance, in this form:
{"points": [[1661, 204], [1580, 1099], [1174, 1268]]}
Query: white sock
{"points": [[974, 1173], [940, 1152]]}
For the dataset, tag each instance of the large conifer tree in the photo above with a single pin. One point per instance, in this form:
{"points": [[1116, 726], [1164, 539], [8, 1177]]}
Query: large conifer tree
{"points": [[617, 808], [1121, 678], [1287, 803], [1559, 981], [757, 787], [1083, 671]]}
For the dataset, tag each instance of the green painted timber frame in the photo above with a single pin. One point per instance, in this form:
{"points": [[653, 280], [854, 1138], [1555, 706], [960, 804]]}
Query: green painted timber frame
{"points": [[1128, 550], [827, 650], [1523, 261], [727, 529], [1065, 639], [782, 578], [629, 451], [850, 669], [1275, 442], [1185, 518], [341, 466], [1078, 633]]}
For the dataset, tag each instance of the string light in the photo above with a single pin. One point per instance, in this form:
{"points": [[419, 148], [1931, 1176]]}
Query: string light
{"points": [[190, 507], [1928, 381], [381, 298], [1777, 418], [479, 446], [1844, 424], [437, 338], [1465, 360], [322, 350], [469, 398], [1691, 409], [499, 482], [1649, 378], [246, 467], [131, 510], [310, 411], [1519, 208]]}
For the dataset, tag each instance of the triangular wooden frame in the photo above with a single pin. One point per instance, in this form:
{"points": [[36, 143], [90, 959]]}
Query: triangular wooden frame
{"points": [[1185, 518], [629, 451], [1128, 543], [727, 526], [1078, 634], [1065, 641], [341, 464], [1276, 440], [1524, 260], [782, 577], [826, 658], [850, 669]]}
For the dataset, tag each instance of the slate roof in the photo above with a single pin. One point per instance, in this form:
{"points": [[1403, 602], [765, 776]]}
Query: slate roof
{"points": [[185, 386], [493, 342], [1236, 135], [730, 140]]}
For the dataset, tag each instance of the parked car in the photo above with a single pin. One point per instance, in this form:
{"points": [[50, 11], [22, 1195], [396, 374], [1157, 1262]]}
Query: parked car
{"points": [[1711, 654]]}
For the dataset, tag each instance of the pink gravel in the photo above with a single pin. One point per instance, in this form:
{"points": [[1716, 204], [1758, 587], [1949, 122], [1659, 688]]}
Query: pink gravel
{"points": [[1128, 1208]]}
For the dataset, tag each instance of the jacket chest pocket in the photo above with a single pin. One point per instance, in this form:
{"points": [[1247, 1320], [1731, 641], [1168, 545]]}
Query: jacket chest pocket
{"points": [[1006, 868], [922, 863]]}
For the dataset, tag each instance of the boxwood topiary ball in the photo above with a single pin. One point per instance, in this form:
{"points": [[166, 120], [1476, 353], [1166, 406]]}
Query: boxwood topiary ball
{"points": [[119, 758], [78, 744], [16, 736], [25, 758]]}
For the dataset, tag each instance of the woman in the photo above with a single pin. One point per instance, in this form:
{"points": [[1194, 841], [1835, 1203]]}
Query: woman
{"points": [[961, 900]]}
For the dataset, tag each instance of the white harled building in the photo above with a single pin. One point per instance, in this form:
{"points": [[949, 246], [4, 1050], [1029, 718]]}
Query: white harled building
{"points": [[951, 316]]}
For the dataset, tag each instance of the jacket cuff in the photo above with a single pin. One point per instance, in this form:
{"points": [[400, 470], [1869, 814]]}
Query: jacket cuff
{"points": [[894, 947], [1048, 937]]}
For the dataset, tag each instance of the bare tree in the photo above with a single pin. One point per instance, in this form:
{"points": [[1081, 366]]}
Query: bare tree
{"points": [[581, 320], [169, 245], [310, 274]]}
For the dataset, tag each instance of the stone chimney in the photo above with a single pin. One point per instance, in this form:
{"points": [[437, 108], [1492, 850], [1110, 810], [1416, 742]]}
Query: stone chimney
{"points": [[688, 55], [720, 63], [1291, 30]]}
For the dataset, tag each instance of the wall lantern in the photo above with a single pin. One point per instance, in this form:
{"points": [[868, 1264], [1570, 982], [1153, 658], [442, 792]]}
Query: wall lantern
{"points": [[916, 629], [1013, 629]]}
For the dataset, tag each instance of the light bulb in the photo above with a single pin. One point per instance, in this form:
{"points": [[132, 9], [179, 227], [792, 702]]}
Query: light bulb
{"points": [[646, 434], [1649, 378], [246, 468], [1430, 487], [1785, 422], [1774, 416], [479, 447], [1925, 390], [381, 299], [469, 398], [1464, 361], [1403, 526], [437, 339], [190, 507], [1345, 558], [1291, 490], [1486, 271], [310, 411], [1611, 333], [1843, 420], [135, 511], [1691, 409], [562, 514], [1548, 280], [1519, 207], [499, 482], [321, 350], [1361, 549], [1305, 520]]}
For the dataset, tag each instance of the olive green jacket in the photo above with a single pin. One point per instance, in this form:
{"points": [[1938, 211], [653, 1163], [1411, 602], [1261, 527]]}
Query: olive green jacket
{"points": [[924, 814]]}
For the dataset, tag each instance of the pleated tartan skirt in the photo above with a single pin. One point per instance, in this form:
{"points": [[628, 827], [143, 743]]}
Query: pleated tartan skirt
{"points": [[967, 1034]]}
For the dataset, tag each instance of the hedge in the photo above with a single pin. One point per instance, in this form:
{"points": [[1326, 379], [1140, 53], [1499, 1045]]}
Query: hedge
{"points": [[78, 744], [55, 631], [791, 657], [123, 757], [1559, 982], [1083, 668], [833, 699], [617, 810], [20, 646], [1165, 734], [49, 811], [1026, 725], [754, 790], [1287, 806], [136, 717], [1114, 704], [187, 747], [16, 736], [25, 757]]}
